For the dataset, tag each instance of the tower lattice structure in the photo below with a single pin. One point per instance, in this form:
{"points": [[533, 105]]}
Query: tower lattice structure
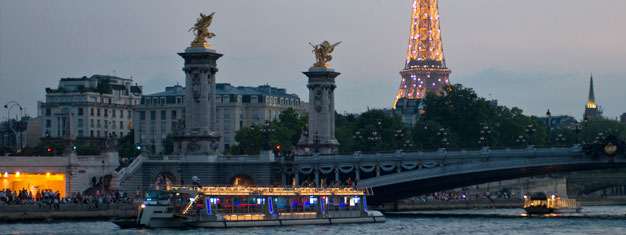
{"points": [[425, 66]]}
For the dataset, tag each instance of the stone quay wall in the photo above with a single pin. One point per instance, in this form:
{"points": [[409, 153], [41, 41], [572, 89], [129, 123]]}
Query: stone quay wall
{"points": [[29, 213]]}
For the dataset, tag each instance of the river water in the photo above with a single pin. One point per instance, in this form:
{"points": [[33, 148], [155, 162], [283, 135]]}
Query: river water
{"points": [[594, 220]]}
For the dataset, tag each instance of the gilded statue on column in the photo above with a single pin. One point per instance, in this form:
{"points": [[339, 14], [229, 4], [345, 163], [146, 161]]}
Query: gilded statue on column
{"points": [[201, 30], [322, 54]]}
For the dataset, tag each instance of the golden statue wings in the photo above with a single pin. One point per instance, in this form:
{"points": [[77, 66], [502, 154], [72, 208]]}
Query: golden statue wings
{"points": [[201, 30], [322, 54]]}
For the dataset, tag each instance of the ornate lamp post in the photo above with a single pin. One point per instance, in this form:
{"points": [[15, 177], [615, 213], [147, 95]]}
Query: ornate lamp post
{"points": [[549, 126], [521, 141], [484, 135], [530, 129], [399, 136], [444, 138], [267, 131], [560, 139], [18, 141], [407, 144], [576, 130], [375, 139], [357, 138]]}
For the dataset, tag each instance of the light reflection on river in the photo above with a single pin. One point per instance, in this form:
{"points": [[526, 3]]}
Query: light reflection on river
{"points": [[593, 220]]}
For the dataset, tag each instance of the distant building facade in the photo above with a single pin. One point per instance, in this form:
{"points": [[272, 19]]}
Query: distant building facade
{"points": [[89, 108], [559, 122], [622, 118], [161, 114]]}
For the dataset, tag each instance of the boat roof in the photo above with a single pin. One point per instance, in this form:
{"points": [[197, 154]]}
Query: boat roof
{"points": [[252, 190]]}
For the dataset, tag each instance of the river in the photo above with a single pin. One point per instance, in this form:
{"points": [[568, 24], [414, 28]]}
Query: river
{"points": [[593, 220]]}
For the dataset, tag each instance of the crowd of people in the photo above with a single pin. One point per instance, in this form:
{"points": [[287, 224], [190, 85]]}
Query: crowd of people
{"points": [[448, 196], [53, 199]]}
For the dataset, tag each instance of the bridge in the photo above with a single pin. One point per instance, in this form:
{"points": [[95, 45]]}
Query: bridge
{"points": [[393, 176]]}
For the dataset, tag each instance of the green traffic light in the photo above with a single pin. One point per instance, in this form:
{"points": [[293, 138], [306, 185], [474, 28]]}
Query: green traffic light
{"points": [[138, 147], [75, 147]]}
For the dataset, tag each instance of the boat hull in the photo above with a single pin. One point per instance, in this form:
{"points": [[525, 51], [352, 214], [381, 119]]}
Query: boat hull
{"points": [[268, 223]]}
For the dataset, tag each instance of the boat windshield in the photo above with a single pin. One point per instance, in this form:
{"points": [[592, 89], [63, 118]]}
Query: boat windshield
{"points": [[156, 196]]}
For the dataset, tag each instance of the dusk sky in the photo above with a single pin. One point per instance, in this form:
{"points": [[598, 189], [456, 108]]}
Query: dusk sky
{"points": [[533, 54]]}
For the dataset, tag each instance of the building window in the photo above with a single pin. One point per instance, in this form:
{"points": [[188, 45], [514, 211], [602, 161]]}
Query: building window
{"points": [[163, 115], [238, 99], [98, 126], [48, 112], [152, 115], [155, 101], [179, 100], [226, 125], [226, 113], [121, 125], [254, 99], [218, 99], [226, 137], [142, 127], [80, 133], [121, 113], [225, 99], [128, 114], [162, 100], [48, 123], [142, 115], [106, 124], [91, 123], [91, 111], [152, 127], [163, 127], [91, 133], [113, 113], [173, 117], [106, 134], [98, 133], [106, 112], [241, 114], [113, 125], [146, 101], [98, 114], [80, 111], [80, 122]]}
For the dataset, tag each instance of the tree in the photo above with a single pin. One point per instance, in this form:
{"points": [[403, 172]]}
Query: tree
{"points": [[127, 147], [284, 132], [168, 144]]}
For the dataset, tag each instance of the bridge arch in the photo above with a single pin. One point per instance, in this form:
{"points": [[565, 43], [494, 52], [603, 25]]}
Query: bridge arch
{"points": [[164, 175]]}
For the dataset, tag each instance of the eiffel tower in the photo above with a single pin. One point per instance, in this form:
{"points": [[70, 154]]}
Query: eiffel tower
{"points": [[425, 67]]}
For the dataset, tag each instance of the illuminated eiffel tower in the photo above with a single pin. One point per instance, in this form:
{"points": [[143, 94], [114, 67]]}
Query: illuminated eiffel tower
{"points": [[425, 67]]}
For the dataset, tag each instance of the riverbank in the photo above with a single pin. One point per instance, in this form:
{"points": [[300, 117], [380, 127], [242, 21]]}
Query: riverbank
{"points": [[408, 205], [34, 213]]}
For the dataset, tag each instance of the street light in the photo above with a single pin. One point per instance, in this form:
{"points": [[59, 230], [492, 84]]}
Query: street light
{"points": [[520, 140], [484, 135], [549, 125], [357, 137], [9, 105], [399, 136], [375, 138], [560, 139], [577, 130], [267, 130], [530, 129], [444, 137]]}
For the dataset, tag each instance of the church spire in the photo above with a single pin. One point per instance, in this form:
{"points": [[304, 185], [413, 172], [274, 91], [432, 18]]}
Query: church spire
{"points": [[591, 101]]}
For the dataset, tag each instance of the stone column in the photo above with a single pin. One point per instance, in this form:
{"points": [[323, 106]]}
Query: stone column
{"points": [[321, 125], [199, 136]]}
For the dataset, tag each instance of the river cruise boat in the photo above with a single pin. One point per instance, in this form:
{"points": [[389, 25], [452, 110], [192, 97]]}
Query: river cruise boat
{"points": [[542, 204], [254, 206]]}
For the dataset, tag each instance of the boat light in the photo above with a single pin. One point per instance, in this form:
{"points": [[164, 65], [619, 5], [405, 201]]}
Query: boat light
{"points": [[143, 206]]}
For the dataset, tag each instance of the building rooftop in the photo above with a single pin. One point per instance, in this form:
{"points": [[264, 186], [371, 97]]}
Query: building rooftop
{"points": [[228, 89]]}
